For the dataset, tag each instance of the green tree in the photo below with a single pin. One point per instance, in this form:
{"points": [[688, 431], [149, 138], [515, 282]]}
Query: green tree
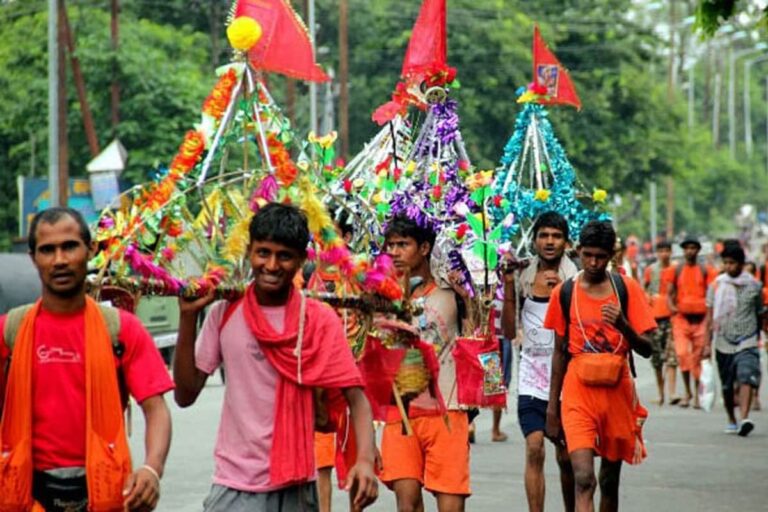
{"points": [[164, 77]]}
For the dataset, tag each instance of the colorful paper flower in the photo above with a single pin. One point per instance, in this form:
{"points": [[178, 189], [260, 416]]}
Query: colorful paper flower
{"points": [[599, 195], [542, 195], [326, 141]]}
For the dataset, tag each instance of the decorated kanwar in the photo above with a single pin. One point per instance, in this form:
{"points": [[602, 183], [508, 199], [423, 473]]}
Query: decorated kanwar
{"points": [[395, 255]]}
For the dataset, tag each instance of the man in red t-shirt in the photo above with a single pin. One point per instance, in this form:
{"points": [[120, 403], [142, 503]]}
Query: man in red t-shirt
{"points": [[60, 246], [687, 291]]}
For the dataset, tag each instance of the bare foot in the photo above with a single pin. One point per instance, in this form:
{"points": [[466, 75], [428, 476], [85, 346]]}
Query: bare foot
{"points": [[499, 437]]}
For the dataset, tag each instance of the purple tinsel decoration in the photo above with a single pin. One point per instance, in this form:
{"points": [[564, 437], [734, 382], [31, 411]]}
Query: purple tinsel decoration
{"points": [[442, 130], [436, 141]]}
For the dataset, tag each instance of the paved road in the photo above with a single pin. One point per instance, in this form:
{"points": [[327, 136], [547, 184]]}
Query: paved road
{"points": [[692, 465]]}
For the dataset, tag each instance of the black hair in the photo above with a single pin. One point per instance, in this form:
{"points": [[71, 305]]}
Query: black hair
{"points": [[553, 220], [283, 224], [52, 216], [663, 245], [732, 249], [400, 225], [345, 225], [599, 234]]}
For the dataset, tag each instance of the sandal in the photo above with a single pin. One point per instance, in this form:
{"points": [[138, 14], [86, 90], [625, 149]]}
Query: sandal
{"points": [[675, 400]]}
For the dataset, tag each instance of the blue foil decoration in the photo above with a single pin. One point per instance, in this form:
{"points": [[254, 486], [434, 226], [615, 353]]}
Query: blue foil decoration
{"points": [[519, 191]]}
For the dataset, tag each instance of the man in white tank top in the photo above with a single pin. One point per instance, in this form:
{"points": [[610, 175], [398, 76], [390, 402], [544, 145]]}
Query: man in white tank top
{"points": [[526, 299]]}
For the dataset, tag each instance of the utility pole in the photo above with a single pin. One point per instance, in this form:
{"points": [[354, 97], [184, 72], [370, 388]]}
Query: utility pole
{"points": [[290, 100], [63, 142], [344, 77], [671, 83], [691, 96], [732, 101], [115, 87], [312, 85], [215, 14], [716, 110], [77, 75], [748, 142], [53, 102], [654, 216]]}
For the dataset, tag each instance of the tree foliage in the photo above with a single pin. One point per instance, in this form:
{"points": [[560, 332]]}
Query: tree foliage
{"points": [[163, 74], [630, 131]]}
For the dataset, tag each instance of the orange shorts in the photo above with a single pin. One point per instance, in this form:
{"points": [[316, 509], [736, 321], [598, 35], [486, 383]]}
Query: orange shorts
{"points": [[599, 418], [689, 344], [436, 456], [325, 450]]}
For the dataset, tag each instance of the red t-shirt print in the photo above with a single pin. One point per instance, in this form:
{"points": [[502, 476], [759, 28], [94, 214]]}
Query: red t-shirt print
{"points": [[58, 375]]}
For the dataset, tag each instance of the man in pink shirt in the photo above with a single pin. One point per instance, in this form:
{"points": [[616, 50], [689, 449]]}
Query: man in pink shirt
{"points": [[276, 346]]}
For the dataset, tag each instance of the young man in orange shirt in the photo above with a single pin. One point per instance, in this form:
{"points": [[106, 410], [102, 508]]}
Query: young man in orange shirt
{"points": [[436, 457], [656, 280], [687, 300], [598, 409]]}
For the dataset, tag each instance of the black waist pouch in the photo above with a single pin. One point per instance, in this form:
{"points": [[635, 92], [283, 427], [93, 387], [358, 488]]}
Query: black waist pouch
{"points": [[62, 490]]}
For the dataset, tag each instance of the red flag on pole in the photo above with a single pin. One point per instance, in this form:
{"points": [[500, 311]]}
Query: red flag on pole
{"points": [[284, 46], [428, 47], [549, 73]]}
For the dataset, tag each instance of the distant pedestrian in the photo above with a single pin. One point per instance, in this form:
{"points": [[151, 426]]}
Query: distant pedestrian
{"points": [[656, 280], [734, 311], [687, 301]]}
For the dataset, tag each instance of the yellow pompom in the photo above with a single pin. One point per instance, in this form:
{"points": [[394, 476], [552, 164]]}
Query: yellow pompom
{"points": [[542, 195], [599, 195], [243, 33]]}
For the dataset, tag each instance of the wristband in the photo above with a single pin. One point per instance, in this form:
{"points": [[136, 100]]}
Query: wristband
{"points": [[152, 470]]}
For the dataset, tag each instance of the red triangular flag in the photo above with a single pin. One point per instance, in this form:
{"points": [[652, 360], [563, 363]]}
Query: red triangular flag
{"points": [[428, 47], [548, 72], [284, 46]]}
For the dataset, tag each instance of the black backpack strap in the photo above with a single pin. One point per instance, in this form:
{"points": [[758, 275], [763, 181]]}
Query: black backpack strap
{"points": [[621, 290], [566, 295]]}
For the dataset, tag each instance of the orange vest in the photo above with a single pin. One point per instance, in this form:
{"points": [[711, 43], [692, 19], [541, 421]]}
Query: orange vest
{"points": [[108, 458]]}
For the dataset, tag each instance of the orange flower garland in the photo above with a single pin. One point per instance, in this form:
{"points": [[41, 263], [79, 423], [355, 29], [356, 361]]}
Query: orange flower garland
{"points": [[189, 154], [285, 169], [216, 102]]}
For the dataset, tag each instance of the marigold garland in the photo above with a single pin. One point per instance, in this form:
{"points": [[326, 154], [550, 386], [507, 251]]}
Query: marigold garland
{"points": [[216, 103]]}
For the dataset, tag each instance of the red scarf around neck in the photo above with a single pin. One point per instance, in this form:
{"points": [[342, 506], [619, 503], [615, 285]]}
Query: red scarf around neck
{"points": [[304, 362]]}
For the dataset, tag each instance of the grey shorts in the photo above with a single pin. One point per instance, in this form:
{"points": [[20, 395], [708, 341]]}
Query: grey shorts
{"points": [[297, 498], [739, 368]]}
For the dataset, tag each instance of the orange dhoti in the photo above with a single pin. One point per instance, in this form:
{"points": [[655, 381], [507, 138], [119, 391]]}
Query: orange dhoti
{"points": [[437, 454], [601, 418], [689, 343]]}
